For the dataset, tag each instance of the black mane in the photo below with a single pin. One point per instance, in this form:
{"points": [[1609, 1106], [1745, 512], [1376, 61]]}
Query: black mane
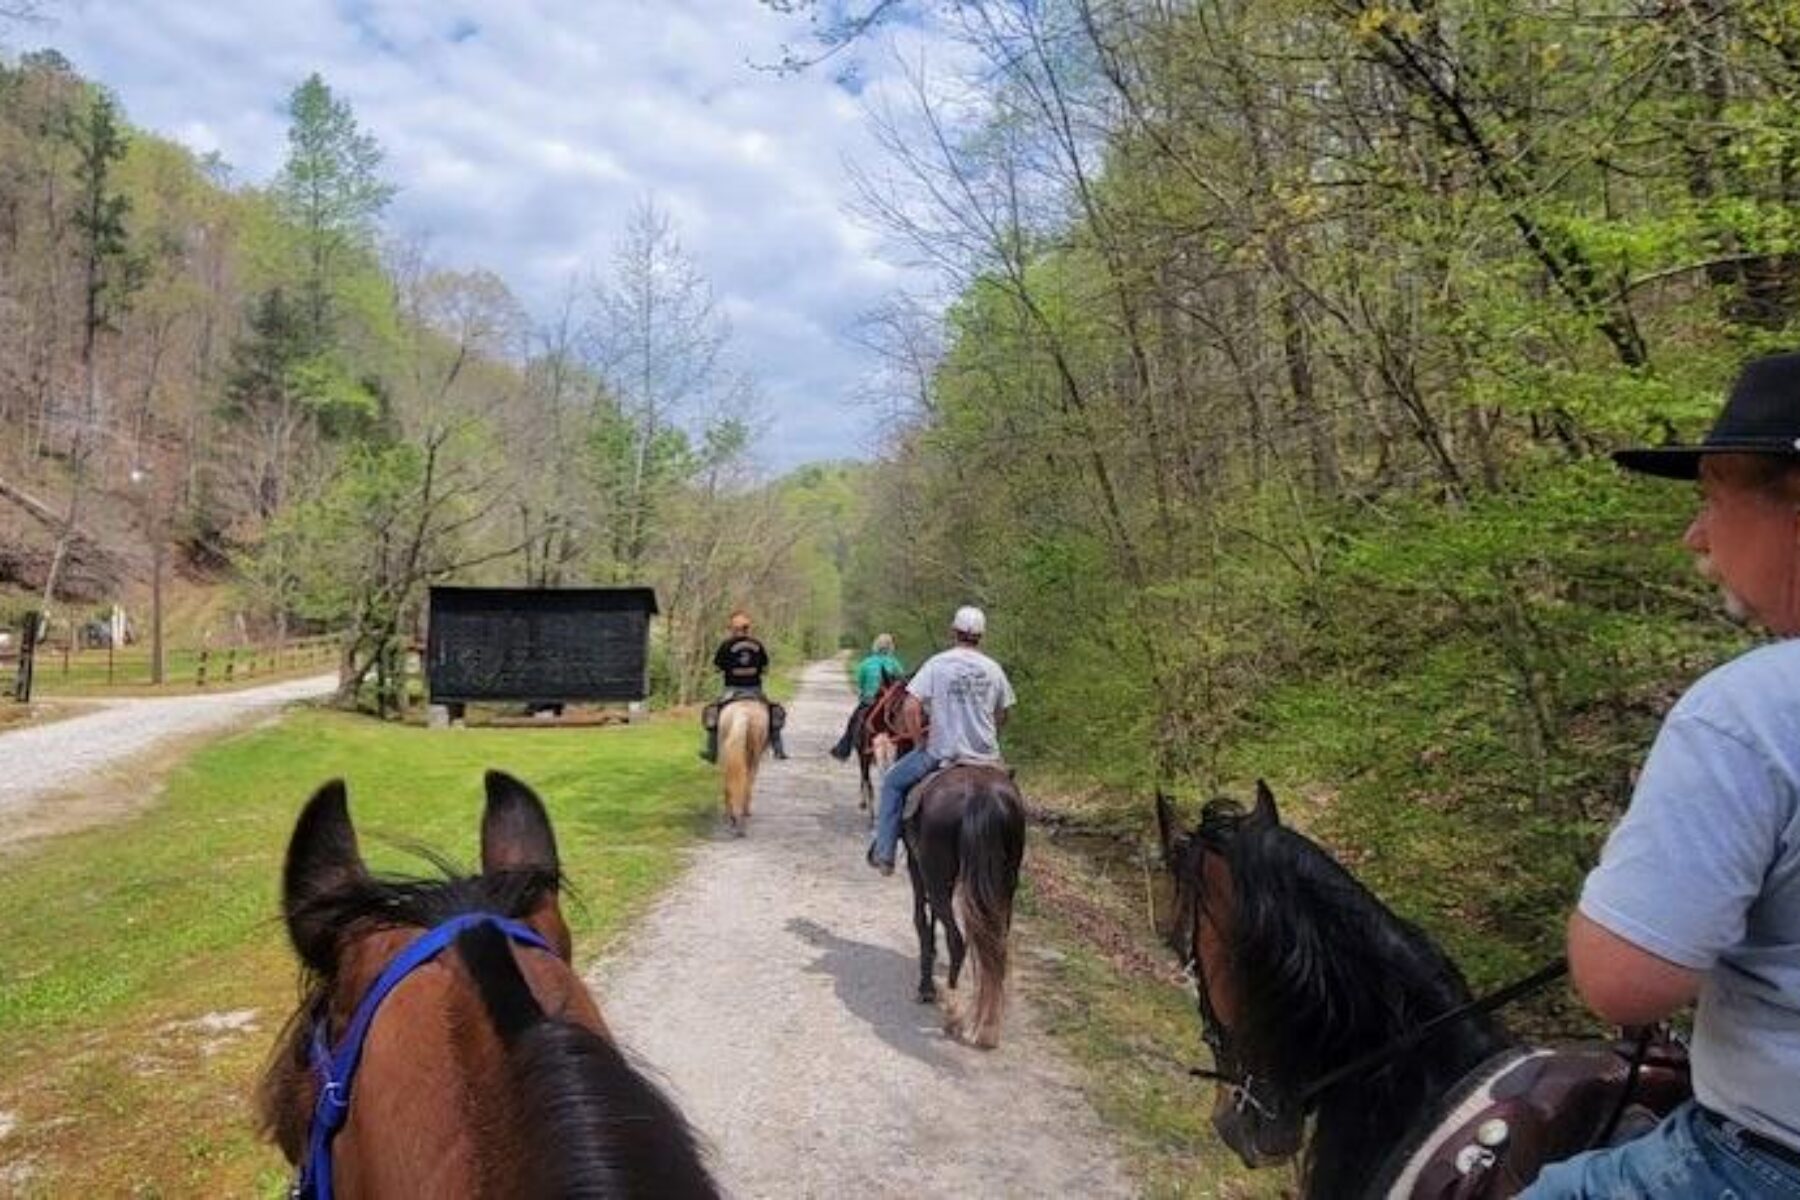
{"points": [[1326, 973], [607, 1130], [593, 1125]]}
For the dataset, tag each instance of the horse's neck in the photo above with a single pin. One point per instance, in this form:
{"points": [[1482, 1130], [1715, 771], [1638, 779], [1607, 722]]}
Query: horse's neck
{"points": [[1362, 1122]]}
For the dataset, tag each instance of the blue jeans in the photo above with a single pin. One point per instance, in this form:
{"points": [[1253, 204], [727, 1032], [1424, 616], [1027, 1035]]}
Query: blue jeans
{"points": [[1687, 1155], [907, 770]]}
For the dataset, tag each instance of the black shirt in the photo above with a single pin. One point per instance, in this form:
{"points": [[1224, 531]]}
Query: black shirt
{"points": [[742, 659]]}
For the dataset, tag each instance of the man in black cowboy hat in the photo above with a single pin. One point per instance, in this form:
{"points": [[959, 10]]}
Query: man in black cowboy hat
{"points": [[1697, 894]]}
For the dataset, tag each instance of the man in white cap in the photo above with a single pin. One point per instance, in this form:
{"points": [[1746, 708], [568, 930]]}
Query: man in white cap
{"points": [[967, 696]]}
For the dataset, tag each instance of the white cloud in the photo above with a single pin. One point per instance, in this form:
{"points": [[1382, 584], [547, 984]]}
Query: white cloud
{"points": [[522, 134]]}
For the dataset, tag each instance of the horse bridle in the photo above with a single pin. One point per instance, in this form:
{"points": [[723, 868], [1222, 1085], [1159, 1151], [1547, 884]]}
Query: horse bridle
{"points": [[1240, 1085], [336, 1066]]}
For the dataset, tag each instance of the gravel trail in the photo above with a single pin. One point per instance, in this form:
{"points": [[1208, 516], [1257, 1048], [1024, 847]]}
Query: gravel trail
{"points": [[773, 990], [99, 752]]}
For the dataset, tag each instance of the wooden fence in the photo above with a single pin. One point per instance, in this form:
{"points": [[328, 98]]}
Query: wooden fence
{"points": [[65, 665]]}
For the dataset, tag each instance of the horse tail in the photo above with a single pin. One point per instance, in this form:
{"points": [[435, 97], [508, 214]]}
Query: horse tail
{"points": [[990, 847], [743, 732]]}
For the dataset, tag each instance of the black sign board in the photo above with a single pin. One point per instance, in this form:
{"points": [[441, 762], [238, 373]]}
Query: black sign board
{"points": [[539, 644]]}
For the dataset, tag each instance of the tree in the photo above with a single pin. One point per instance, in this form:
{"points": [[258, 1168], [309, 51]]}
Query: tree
{"points": [[658, 340], [330, 189], [110, 274]]}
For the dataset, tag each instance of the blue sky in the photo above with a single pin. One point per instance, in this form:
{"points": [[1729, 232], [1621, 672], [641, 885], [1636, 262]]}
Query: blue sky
{"points": [[522, 133]]}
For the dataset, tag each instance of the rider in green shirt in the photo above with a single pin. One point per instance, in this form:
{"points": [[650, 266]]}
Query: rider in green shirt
{"points": [[878, 667]]}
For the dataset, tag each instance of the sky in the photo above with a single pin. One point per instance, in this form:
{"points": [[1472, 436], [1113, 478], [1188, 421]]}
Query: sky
{"points": [[522, 134]]}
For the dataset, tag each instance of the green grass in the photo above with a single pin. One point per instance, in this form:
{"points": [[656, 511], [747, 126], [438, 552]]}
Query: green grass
{"points": [[112, 942], [1104, 989]]}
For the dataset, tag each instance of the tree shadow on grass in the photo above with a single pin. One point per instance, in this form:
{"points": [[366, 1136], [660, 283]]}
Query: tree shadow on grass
{"points": [[876, 984]]}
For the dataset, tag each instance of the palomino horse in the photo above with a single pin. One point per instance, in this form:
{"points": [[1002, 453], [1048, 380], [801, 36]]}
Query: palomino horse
{"points": [[1321, 1005], [880, 722], [444, 1047], [743, 736], [965, 839]]}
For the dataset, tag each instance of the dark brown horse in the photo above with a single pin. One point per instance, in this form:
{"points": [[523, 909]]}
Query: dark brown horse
{"points": [[965, 840], [444, 1046], [1324, 1009], [881, 721]]}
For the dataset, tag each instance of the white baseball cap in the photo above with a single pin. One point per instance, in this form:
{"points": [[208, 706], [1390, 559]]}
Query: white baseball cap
{"points": [[969, 620]]}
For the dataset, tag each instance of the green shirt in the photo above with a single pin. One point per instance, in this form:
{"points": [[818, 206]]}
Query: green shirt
{"points": [[870, 670]]}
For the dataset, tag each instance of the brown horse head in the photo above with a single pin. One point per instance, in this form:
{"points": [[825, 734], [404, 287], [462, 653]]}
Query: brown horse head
{"points": [[487, 1069], [1250, 1120], [1301, 974]]}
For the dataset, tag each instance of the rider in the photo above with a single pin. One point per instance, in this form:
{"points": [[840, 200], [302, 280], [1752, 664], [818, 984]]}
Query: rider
{"points": [[1697, 894], [877, 668], [967, 697], [742, 660]]}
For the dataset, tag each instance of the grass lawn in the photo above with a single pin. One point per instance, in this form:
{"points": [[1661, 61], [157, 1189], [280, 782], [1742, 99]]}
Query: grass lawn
{"points": [[144, 972]]}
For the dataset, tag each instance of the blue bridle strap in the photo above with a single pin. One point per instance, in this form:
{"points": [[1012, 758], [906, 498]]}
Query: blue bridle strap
{"points": [[337, 1068]]}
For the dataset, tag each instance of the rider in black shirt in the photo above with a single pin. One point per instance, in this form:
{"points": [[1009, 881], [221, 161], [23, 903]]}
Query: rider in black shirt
{"points": [[741, 659]]}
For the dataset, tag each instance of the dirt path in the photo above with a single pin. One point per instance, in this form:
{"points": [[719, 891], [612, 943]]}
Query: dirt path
{"points": [[72, 773], [773, 990]]}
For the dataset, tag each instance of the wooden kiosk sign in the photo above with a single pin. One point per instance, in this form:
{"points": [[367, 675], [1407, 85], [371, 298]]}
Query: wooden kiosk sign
{"points": [[538, 645]]}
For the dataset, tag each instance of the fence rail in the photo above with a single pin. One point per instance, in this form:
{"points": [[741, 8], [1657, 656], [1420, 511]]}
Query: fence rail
{"points": [[61, 665]]}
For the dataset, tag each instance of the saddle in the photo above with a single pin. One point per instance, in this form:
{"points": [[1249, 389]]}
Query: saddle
{"points": [[916, 796], [709, 716], [1525, 1109]]}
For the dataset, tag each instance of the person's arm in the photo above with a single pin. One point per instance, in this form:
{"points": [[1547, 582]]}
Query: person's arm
{"points": [[719, 659], [1679, 874], [762, 657], [912, 718], [1621, 983]]}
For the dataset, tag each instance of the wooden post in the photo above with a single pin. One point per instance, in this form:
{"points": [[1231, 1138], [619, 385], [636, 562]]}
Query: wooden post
{"points": [[200, 671], [28, 641], [230, 662], [156, 611]]}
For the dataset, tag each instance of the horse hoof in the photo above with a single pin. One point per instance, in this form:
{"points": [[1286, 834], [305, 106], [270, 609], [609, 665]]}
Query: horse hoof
{"points": [[927, 995]]}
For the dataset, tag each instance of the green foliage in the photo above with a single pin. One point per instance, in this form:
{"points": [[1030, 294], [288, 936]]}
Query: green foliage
{"points": [[1283, 454]]}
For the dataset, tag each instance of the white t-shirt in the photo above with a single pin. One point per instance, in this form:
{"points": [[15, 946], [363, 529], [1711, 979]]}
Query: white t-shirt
{"points": [[963, 690]]}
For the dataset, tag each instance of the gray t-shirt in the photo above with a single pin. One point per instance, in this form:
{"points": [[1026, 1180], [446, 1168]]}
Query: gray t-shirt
{"points": [[963, 690], [1704, 871]]}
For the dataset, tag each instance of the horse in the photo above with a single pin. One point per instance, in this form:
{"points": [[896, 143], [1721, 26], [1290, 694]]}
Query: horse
{"points": [[1320, 1005], [879, 723], [965, 840], [743, 736], [464, 1060]]}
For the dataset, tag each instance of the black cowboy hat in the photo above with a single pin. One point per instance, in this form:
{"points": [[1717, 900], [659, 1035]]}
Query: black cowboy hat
{"points": [[1762, 416]]}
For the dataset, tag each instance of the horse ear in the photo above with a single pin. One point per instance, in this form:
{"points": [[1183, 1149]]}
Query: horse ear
{"points": [[322, 858], [1166, 828], [516, 836], [515, 829], [1265, 815]]}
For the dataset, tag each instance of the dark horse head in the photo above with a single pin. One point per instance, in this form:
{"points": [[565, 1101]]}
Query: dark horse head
{"points": [[1301, 970], [487, 1069]]}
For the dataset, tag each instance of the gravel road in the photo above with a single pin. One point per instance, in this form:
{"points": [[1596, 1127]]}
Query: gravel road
{"points": [[98, 751], [773, 990]]}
